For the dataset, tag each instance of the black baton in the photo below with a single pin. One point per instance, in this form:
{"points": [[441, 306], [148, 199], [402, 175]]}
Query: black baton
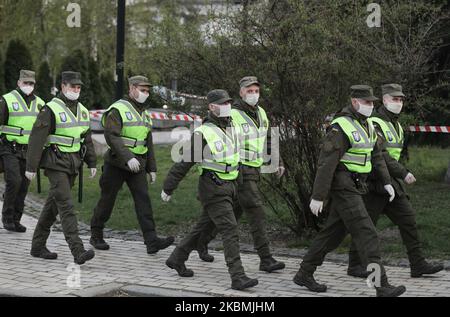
{"points": [[38, 178], [80, 176]]}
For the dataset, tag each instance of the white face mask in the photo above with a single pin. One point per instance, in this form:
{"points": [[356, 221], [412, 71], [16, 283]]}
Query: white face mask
{"points": [[394, 107], [365, 110], [27, 90], [142, 97], [72, 95], [223, 111], [252, 99]]}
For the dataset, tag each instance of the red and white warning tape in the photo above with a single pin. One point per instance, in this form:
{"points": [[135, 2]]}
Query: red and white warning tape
{"points": [[177, 117], [430, 129], [97, 114]]}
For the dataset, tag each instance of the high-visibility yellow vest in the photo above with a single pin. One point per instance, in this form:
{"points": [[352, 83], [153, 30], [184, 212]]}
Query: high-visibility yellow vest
{"points": [[69, 127], [358, 158], [394, 140], [135, 128], [224, 146], [20, 118], [252, 138]]}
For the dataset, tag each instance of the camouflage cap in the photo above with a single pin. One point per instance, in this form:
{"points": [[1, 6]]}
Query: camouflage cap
{"points": [[363, 92], [218, 97], [73, 78], [394, 90], [27, 76], [248, 81], [139, 81]]}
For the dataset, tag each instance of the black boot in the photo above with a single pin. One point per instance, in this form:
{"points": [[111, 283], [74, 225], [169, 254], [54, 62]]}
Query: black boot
{"points": [[83, 257], [204, 255], [388, 290], [425, 269], [20, 228], [357, 271], [307, 279], [243, 282], [10, 226], [44, 253], [159, 244], [99, 243], [179, 267], [269, 265]]}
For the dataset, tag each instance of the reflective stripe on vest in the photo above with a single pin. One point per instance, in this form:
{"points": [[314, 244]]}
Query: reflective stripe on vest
{"points": [[224, 147], [252, 137], [20, 118], [63, 140], [219, 167], [358, 158], [394, 140], [135, 128], [14, 131], [68, 127]]}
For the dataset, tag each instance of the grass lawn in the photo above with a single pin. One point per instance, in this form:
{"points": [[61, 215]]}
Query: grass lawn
{"points": [[430, 197], [182, 210]]}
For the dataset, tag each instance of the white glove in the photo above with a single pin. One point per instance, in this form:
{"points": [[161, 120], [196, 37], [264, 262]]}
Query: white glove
{"points": [[410, 179], [165, 198], [390, 190], [93, 172], [152, 177], [134, 165], [316, 207], [280, 171], [30, 175]]}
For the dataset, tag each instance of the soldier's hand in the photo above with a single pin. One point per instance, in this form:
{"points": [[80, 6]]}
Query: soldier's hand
{"points": [[280, 171], [316, 207], [152, 177], [93, 172], [134, 165], [391, 191], [410, 179], [165, 198], [30, 175]]}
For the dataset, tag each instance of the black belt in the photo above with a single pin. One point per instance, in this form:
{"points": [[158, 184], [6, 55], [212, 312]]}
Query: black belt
{"points": [[215, 178], [14, 145]]}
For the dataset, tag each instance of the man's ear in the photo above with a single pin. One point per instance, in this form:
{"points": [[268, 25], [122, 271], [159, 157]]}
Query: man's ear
{"points": [[241, 92], [355, 104], [131, 92]]}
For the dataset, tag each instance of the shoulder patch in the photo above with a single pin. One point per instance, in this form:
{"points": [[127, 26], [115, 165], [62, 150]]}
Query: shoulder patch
{"points": [[332, 130]]}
